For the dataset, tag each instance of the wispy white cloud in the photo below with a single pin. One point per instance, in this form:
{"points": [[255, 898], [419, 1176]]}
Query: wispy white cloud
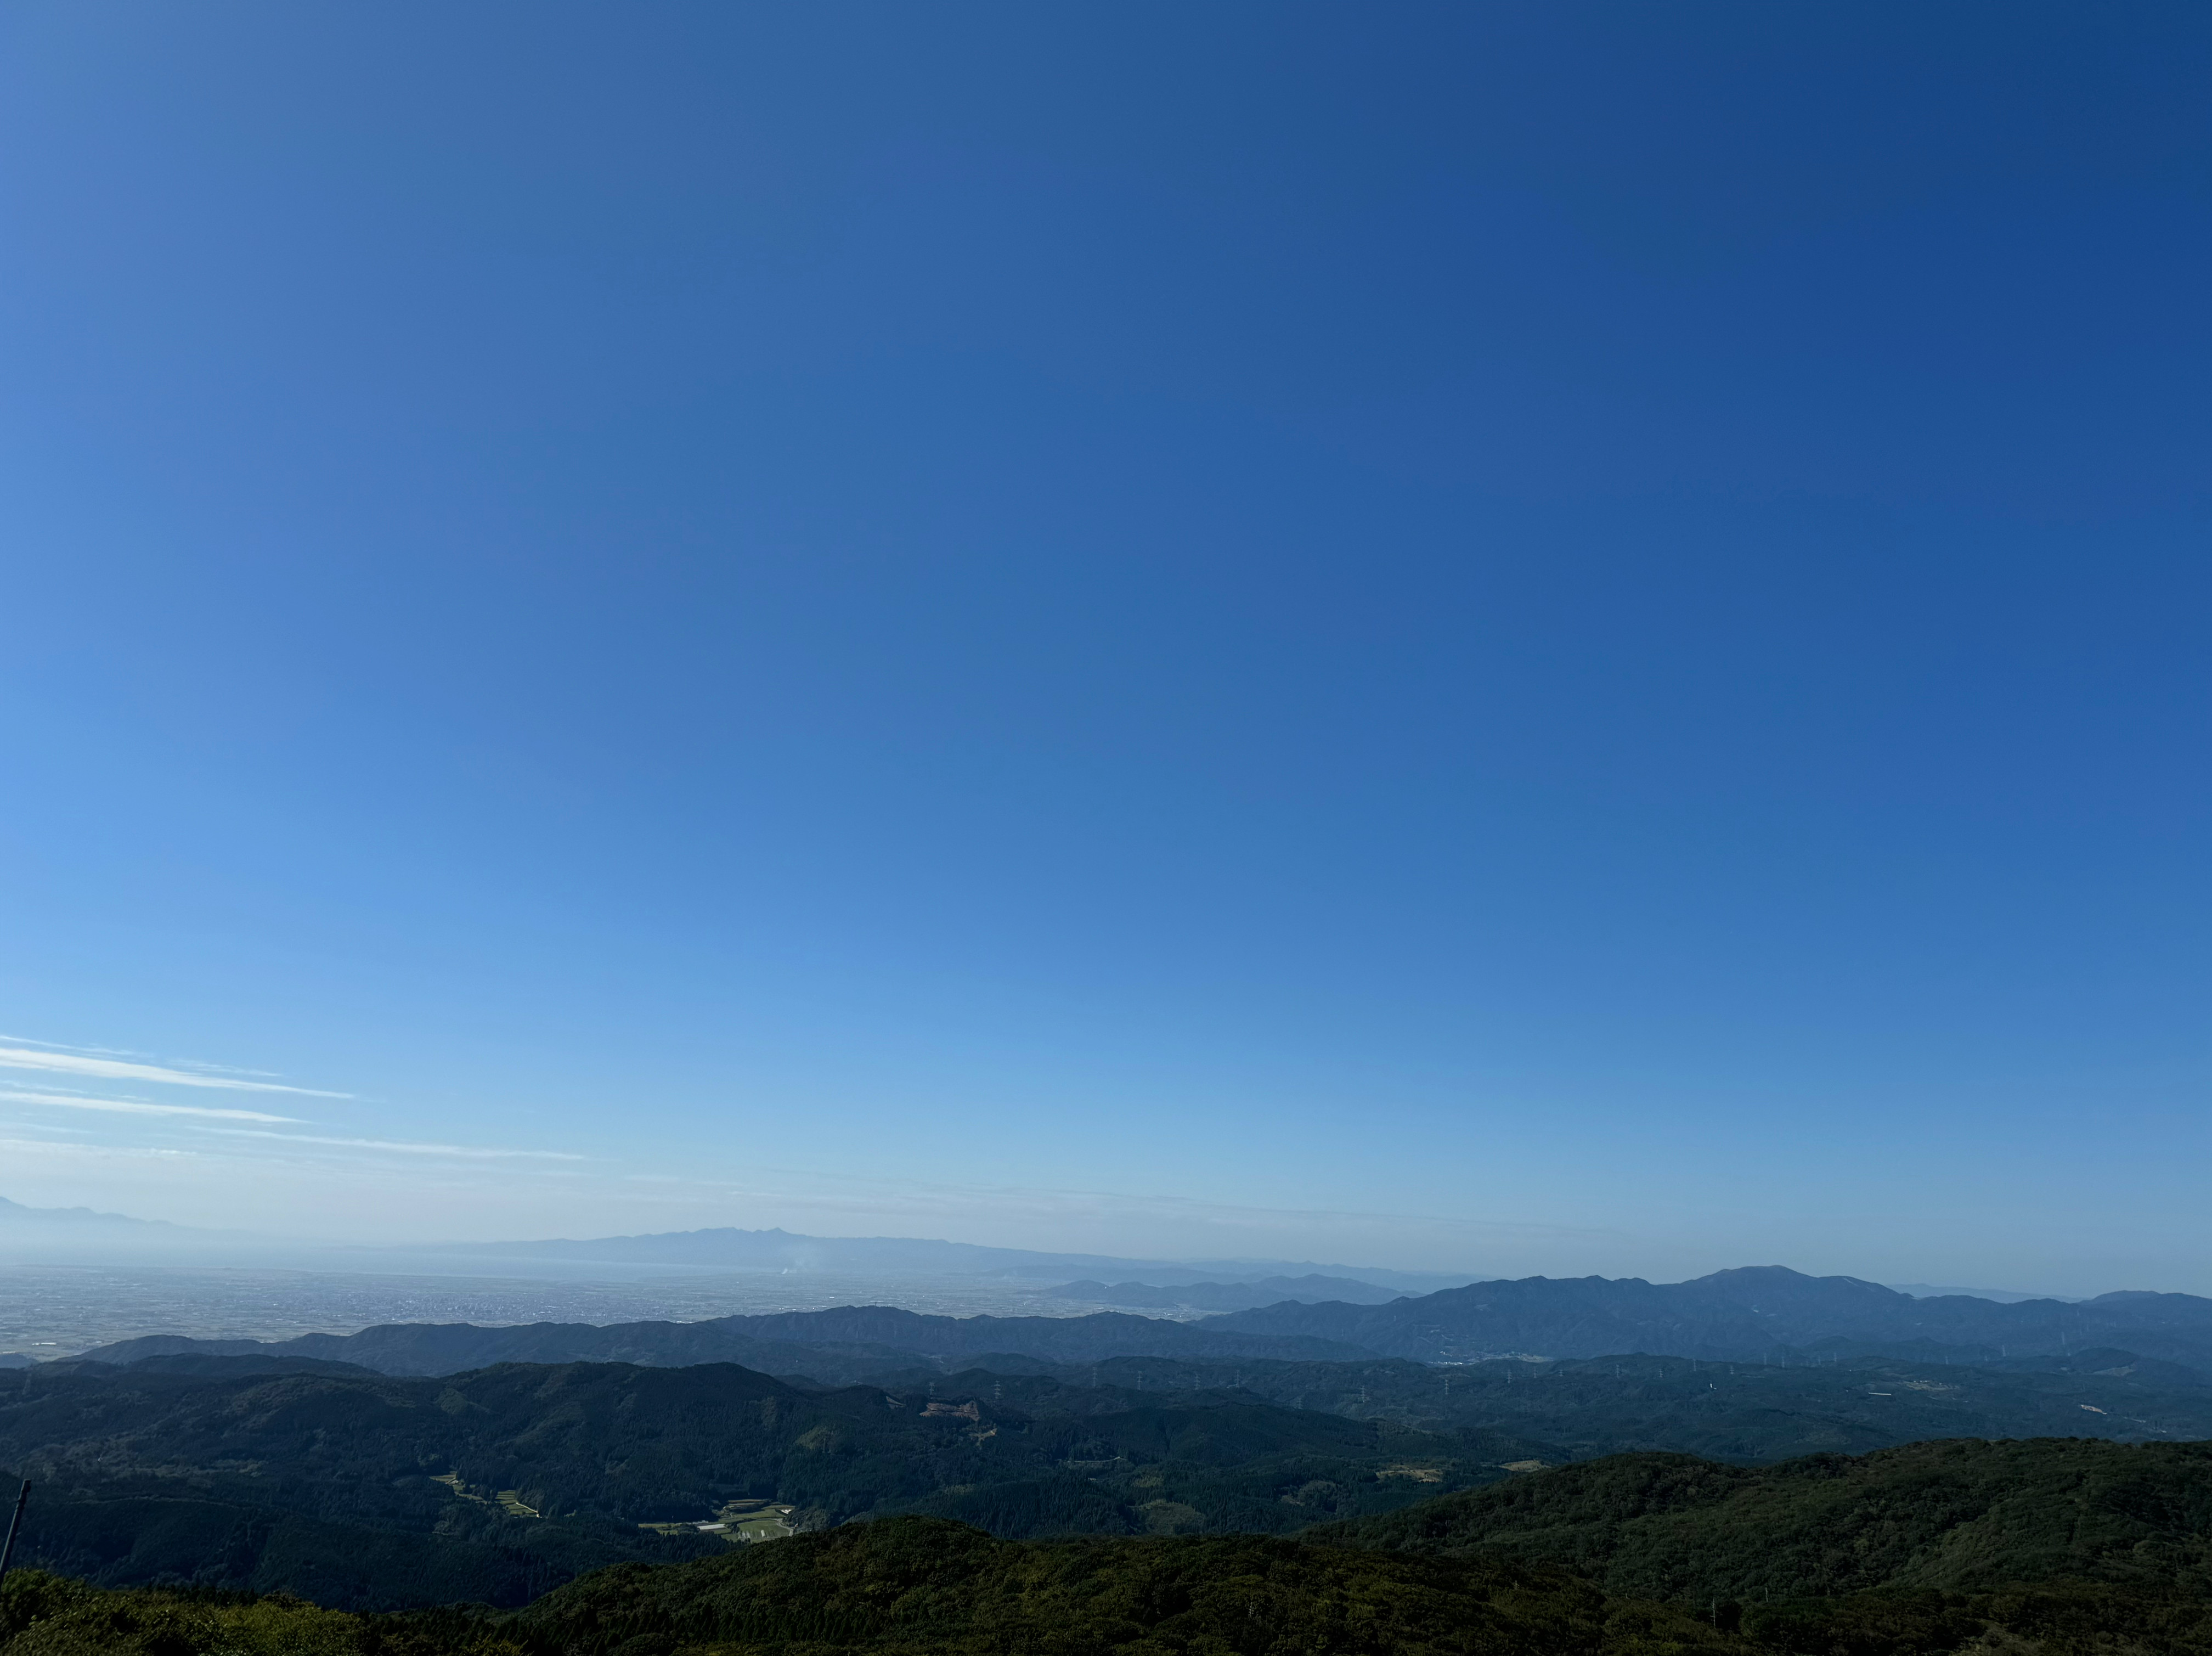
{"points": [[133, 1107], [198, 1064], [470, 1150], [117, 1069], [127, 1151]]}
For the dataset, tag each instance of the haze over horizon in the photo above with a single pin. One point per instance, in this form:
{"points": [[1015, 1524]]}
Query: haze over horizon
{"points": [[1508, 639]]}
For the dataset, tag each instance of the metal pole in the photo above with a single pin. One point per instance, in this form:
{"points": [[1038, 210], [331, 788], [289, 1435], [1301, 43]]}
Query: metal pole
{"points": [[15, 1523]]}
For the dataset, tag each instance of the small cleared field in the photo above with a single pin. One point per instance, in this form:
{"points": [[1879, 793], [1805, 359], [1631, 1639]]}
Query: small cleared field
{"points": [[762, 1526], [738, 1522], [1419, 1474], [509, 1501]]}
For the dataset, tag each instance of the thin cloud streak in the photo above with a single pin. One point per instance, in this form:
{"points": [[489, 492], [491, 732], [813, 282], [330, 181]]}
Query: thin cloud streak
{"points": [[128, 1152], [472, 1151], [116, 1069], [132, 1107], [199, 1065]]}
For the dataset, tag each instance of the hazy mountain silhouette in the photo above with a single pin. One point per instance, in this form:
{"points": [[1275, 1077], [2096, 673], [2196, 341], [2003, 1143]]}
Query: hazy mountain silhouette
{"points": [[730, 1249], [1751, 1314], [784, 1340], [1764, 1314], [14, 1216]]}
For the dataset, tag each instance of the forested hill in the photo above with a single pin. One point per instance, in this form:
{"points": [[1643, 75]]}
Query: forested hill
{"points": [[372, 1491], [789, 1342], [1957, 1519], [1947, 1515], [363, 1489], [1750, 1314], [2040, 1548], [927, 1587]]}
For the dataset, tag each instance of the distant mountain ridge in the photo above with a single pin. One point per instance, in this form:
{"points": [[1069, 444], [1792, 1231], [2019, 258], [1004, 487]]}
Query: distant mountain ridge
{"points": [[784, 1340], [731, 1249], [13, 1214], [721, 1249], [85, 1235], [74, 1236], [1752, 1313]]}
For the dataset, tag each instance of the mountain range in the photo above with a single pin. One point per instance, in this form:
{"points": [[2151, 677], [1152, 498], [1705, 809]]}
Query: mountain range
{"points": [[1751, 1314], [1755, 1314], [48, 1234], [19, 1224], [787, 1342]]}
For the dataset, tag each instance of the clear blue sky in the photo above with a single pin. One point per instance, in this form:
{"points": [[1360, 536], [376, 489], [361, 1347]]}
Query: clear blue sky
{"points": [[1504, 637]]}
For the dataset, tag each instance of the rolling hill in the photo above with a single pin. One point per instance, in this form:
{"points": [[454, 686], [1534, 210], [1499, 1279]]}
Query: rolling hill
{"points": [[1946, 1516], [365, 1490]]}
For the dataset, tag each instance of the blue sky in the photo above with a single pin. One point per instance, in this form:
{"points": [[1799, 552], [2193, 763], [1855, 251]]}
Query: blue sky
{"points": [[1513, 638]]}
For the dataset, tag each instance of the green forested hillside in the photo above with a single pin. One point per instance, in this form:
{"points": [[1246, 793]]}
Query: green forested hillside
{"points": [[1930, 1516], [917, 1585], [368, 1492], [1725, 1411], [914, 1586], [2037, 1547], [611, 1441], [365, 1491], [926, 1585]]}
